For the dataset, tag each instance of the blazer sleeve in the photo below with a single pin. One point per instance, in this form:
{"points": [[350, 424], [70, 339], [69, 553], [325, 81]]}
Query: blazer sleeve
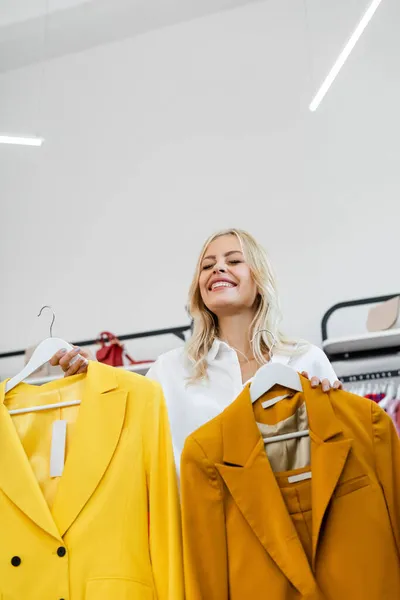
{"points": [[165, 539], [203, 522], [387, 453]]}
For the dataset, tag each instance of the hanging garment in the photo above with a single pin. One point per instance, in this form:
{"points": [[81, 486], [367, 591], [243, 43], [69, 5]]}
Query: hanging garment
{"points": [[191, 405], [393, 410], [289, 454], [245, 536], [107, 526], [376, 397]]}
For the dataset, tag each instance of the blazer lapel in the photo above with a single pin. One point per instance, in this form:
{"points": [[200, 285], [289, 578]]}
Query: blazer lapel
{"points": [[98, 430], [252, 484], [17, 479], [329, 451]]}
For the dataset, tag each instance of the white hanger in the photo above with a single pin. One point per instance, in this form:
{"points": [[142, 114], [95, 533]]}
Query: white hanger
{"points": [[287, 436], [41, 356], [276, 374], [273, 374]]}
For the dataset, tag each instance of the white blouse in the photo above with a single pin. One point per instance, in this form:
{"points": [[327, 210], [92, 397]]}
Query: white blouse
{"points": [[191, 405]]}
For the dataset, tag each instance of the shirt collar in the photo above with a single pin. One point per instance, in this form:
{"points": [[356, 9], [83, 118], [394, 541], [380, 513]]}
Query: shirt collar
{"points": [[216, 347], [219, 345]]}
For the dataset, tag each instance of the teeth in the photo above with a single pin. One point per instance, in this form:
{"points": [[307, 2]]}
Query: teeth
{"points": [[219, 284]]}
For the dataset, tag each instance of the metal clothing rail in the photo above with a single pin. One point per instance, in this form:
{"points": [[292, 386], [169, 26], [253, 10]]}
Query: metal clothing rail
{"points": [[375, 376], [178, 331]]}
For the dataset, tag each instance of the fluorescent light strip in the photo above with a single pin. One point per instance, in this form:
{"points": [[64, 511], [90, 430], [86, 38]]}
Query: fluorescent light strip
{"points": [[344, 55], [22, 141]]}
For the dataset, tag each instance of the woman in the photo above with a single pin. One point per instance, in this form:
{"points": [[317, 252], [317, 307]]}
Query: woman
{"points": [[234, 305]]}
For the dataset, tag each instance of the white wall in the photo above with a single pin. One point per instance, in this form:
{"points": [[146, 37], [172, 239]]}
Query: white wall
{"points": [[154, 142]]}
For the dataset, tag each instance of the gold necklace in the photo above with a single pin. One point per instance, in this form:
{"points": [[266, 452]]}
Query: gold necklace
{"points": [[247, 361]]}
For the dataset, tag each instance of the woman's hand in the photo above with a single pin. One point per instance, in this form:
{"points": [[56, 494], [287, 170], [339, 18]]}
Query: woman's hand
{"points": [[325, 383], [64, 358]]}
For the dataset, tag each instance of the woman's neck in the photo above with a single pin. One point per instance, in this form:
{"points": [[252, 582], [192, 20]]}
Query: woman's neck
{"points": [[235, 331]]}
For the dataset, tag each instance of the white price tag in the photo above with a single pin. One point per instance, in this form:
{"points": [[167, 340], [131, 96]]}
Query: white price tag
{"points": [[301, 477], [274, 401]]}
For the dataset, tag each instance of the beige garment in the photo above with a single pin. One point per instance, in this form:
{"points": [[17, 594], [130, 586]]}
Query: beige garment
{"points": [[288, 455]]}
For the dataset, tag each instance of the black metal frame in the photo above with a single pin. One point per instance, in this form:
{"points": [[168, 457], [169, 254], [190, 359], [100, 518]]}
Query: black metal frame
{"points": [[361, 354], [375, 376], [348, 304], [178, 331]]}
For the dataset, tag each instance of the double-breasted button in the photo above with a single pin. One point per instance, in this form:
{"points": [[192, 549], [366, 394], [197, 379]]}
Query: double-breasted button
{"points": [[16, 561], [61, 551]]}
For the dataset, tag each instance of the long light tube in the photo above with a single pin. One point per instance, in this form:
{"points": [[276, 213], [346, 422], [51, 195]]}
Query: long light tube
{"points": [[344, 55], [22, 141]]}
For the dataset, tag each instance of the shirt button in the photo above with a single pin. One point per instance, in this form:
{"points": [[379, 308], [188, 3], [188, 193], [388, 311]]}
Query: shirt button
{"points": [[16, 561], [61, 551]]}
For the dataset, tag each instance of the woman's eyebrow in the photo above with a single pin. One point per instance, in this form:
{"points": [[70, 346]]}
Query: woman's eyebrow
{"points": [[213, 257]]}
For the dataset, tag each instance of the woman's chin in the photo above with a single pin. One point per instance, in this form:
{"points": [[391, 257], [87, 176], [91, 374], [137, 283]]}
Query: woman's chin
{"points": [[224, 306]]}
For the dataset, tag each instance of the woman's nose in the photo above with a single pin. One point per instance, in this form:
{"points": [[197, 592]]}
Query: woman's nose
{"points": [[219, 268]]}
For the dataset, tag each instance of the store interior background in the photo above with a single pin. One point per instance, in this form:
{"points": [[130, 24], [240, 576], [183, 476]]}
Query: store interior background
{"points": [[167, 120]]}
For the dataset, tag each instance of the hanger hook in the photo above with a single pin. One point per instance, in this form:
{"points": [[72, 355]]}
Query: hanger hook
{"points": [[53, 319], [274, 342]]}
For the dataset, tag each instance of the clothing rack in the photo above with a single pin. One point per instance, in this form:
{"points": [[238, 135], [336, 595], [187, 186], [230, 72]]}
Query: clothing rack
{"points": [[381, 343], [368, 364], [177, 331]]}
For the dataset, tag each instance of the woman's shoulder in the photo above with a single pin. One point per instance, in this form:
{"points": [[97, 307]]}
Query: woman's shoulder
{"points": [[296, 350], [168, 362], [172, 357], [310, 358], [309, 350]]}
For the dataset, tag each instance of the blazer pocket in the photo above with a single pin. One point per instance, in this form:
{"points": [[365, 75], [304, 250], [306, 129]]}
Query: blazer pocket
{"points": [[117, 589], [352, 485]]}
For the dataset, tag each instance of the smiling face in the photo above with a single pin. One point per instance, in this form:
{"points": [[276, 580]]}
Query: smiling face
{"points": [[225, 282]]}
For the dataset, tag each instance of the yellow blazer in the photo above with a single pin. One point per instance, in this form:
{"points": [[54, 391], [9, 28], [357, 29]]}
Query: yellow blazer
{"points": [[240, 542], [113, 532]]}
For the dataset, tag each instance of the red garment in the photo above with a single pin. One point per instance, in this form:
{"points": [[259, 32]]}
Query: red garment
{"points": [[375, 397]]}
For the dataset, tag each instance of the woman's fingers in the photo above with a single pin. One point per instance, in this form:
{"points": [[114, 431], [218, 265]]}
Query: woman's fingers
{"points": [[83, 368], [315, 382], [55, 360], [70, 363], [67, 359], [79, 365], [325, 383]]}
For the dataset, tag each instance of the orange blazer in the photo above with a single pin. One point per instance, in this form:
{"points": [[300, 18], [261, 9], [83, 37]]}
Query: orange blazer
{"points": [[240, 542]]}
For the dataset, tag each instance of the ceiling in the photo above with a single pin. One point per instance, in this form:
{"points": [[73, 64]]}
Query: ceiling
{"points": [[36, 30]]}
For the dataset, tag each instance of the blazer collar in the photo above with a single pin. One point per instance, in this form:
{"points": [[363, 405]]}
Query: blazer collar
{"points": [[97, 431], [241, 434], [248, 475]]}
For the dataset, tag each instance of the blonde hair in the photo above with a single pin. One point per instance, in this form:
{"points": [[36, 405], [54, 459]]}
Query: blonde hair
{"points": [[267, 316]]}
